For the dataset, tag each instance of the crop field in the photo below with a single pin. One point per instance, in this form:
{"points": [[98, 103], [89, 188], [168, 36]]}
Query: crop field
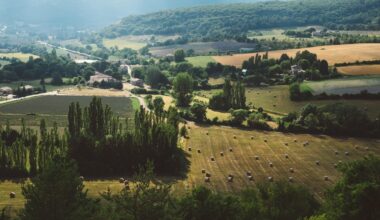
{"points": [[360, 70], [134, 42], [332, 53], [200, 61], [202, 48], [35, 84], [55, 108], [276, 100], [20, 56], [352, 85]]}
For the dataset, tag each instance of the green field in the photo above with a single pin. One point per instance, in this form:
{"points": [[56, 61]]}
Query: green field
{"points": [[55, 108], [275, 99], [277, 33], [200, 61], [350, 85], [21, 56]]}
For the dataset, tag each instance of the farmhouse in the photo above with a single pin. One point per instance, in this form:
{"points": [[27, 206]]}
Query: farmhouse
{"points": [[137, 82], [6, 90], [296, 70], [28, 88], [100, 77]]}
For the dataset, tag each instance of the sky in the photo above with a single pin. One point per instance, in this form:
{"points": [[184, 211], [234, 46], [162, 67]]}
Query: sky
{"points": [[88, 12]]}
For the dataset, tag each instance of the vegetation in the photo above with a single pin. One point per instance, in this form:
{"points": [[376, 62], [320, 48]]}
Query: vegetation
{"points": [[233, 96], [207, 23], [183, 87]]}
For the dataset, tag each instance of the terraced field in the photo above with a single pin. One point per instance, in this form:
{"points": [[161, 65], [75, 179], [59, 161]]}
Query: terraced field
{"points": [[360, 70]]}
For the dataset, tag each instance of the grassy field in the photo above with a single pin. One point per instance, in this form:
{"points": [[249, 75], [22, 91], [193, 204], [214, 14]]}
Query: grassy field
{"points": [[277, 33], [134, 42], [55, 108], [360, 70], [351, 85], [332, 53], [21, 56], [200, 61], [35, 84], [242, 159], [3, 63], [276, 100]]}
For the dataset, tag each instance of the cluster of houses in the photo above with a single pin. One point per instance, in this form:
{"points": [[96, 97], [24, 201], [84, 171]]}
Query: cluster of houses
{"points": [[9, 93]]}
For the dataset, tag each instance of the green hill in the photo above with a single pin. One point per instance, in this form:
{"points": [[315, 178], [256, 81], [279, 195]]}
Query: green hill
{"points": [[219, 22]]}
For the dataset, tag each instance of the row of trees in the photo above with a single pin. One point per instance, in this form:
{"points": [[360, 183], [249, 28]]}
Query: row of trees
{"points": [[58, 193], [233, 96]]}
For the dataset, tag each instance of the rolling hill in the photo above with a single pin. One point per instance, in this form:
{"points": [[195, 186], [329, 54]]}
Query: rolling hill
{"points": [[222, 21]]}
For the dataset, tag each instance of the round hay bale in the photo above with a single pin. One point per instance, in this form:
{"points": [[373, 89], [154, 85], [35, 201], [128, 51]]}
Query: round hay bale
{"points": [[347, 153], [295, 140], [286, 156], [208, 174], [340, 162], [206, 133], [207, 179], [336, 152], [271, 164], [231, 149], [234, 136], [317, 162], [274, 105], [203, 171], [121, 180], [189, 148], [291, 170], [199, 151], [81, 178], [189, 128], [265, 140], [326, 178], [230, 179], [212, 158], [290, 179], [286, 144], [250, 178], [257, 157], [221, 154], [357, 147], [251, 137], [249, 173], [270, 179], [12, 195]]}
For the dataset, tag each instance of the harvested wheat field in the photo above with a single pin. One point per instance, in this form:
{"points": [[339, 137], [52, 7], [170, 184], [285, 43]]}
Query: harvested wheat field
{"points": [[306, 158], [360, 70], [332, 53]]}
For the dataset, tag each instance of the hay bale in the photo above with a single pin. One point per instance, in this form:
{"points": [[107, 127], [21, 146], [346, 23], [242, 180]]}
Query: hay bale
{"points": [[249, 173], [189, 128], [251, 137], [274, 105], [199, 151], [212, 158], [208, 174], [230, 179], [231, 149], [357, 147], [347, 153], [286, 156], [121, 180], [326, 178], [290, 179], [335, 165], [295, 140], [291, 170], [250, 178], [270, 179], [340, 162], [207, 179], [271, 164], [265, 140], [234, 136], [257, 157], [12, 195], [286, 144], [317, 162], [189, 148], [203, 171], [336, 152], [206, 133], [221, 154]]}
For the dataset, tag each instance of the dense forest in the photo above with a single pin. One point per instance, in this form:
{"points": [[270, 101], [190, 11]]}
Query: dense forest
{"points": [[221, 22]]}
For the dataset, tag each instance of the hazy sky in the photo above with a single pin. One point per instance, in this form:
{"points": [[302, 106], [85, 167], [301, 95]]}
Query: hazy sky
{"points": [[88, 12]]}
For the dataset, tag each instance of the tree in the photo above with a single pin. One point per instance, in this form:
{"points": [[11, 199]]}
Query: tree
{"points": [[158, 105], [357, 194], [154, 77], [56, 79], [179, 56], [57, 193], [324, 68], [183, 88], [199, 111], [239, 116]]}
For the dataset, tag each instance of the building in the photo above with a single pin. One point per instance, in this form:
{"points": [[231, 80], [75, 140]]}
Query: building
{"points": [[296, 70], [137, 82], [99, 77], [28, 88], [6, 90]]}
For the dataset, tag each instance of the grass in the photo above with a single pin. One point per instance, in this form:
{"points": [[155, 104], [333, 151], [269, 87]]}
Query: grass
{"points": [[21, 56], [332, 53], [55, 108], [200, 61], [3, 63], [360, 70], [35, 84], [276, 100], [122, 43], [277, 33], [352, 85]]}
